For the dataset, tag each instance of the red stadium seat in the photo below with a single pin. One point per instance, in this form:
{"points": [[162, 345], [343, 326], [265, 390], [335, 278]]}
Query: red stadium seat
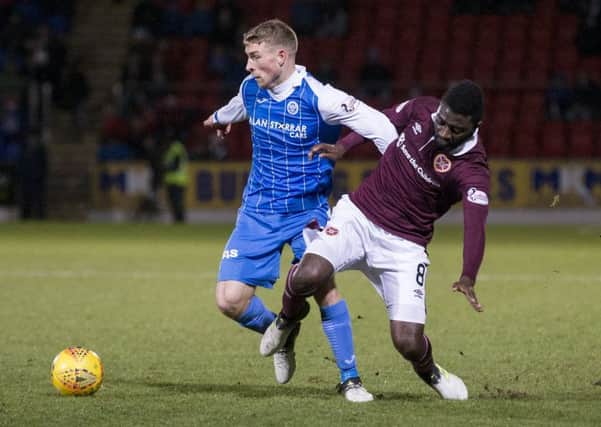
{"points": [[582, 136], [458, 65], [525, 143], [497, 141], [567, 60], [537, 66], [463, 29], [510, 66], [532, 106], [553, 140]]}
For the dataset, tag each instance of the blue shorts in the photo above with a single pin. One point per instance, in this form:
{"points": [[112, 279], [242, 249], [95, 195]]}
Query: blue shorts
{"points": [[252, 254]]}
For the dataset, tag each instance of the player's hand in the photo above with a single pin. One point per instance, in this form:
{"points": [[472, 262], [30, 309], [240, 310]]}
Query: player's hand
{"points": [[465, 285], [328, 151], [222, 129]]}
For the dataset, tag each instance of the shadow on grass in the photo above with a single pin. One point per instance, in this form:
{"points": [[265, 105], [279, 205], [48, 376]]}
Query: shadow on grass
{"points": [[259, 391]]}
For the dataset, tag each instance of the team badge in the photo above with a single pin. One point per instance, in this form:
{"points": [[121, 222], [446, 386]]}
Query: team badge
{"points": [[292, 107], [331, 231], [442, 163]]}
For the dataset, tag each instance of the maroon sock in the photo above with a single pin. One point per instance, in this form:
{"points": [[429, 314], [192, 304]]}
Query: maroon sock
{"points": [[292, 304], [424, 367]]}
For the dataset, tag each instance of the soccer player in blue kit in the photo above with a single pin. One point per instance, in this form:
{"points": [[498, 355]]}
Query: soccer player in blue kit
{"points": [[385, 225], [289, 112]]}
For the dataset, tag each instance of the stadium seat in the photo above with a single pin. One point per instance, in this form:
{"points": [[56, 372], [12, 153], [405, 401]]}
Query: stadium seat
{"points": [[509, 70], [457, 66], [537, 66], [497, 141], [581, 139], [591, 65], [566, 60], [525, 143], [553, 140]]}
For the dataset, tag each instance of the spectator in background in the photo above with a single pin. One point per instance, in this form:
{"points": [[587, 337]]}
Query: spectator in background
{"points": [[558, 97], [588, 39], [334, 19], [32, 178], [146, 17], [326, 72], [374, 76], [587, 98], [73, 92], [305, 14], [175, 176], [226, 30], [200, 21]]}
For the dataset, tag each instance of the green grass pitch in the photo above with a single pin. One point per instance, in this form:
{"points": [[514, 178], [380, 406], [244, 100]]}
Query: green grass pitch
{"points": [[142, 296]]}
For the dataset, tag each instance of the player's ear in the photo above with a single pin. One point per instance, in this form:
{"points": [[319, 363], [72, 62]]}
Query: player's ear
{"points": [[282, 56]]}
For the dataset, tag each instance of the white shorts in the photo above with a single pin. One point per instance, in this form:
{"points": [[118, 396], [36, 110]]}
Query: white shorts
{"points": [[395, 267]]}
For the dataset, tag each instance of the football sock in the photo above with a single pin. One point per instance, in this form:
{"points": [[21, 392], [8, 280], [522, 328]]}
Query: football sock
{"points": [[336, 324], [292, 304], [256, 317], [425, 367]]}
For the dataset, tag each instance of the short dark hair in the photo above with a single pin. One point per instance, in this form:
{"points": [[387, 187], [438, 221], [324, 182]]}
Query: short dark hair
{"points": [[466, 98]]}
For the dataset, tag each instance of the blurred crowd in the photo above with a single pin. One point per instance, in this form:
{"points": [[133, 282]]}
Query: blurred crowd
{"points": [[36, 73], [185, 59]]}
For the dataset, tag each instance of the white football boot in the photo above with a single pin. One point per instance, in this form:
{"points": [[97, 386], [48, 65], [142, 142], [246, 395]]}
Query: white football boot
{"points": [[276, 335], [284, 360], [353, 391], [448, 386]]}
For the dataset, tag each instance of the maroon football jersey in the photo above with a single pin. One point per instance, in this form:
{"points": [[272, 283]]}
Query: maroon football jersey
{"points": [[415, 183]]}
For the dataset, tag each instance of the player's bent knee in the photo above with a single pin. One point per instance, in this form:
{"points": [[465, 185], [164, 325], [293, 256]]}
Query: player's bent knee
{"points": [[409, 347], [311, 276], [230, 301], [408, 339]]}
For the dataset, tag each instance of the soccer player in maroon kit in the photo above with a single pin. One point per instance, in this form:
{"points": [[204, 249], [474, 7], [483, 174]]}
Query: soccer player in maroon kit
{"points": [[383, 228]]}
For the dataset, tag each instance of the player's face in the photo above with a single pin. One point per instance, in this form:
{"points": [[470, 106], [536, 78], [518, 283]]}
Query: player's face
{"points": [[265, 63], [451, 128]]}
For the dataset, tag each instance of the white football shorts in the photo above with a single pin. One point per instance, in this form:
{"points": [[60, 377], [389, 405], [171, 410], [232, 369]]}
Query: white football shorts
{"points": [[395, 266]]}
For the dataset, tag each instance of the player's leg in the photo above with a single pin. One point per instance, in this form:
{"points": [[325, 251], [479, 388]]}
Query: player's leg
{"points": [[397, 269], [252, 258], [336, 325], [409, 340], [238, 301], [314, 276]]}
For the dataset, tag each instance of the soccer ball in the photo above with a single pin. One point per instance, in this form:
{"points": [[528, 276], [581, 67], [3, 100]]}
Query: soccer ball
{"points": [[77, 371]]}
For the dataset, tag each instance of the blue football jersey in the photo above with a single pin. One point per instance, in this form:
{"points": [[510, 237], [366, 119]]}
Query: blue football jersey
{"points": [[285, 123]]}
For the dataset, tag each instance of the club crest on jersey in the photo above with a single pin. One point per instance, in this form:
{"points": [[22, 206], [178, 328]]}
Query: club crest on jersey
{"points": [[442, 163], [331, 231], [292, 107]]}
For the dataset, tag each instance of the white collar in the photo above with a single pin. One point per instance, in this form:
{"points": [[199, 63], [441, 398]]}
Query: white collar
{"points": [[466, 146], [284, 89]]}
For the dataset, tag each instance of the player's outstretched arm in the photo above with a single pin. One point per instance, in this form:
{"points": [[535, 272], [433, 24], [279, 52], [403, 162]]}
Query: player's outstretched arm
{"points": [[329, 151], [222, 129], [465, 285]]}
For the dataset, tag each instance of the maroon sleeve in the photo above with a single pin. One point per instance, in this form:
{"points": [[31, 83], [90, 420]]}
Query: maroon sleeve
{"points": [[474, 224], [474, 184], [350, 140]]}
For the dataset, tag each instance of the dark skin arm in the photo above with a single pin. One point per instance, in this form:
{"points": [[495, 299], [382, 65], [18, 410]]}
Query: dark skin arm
{"points": [[328, 151], [465, 285]]}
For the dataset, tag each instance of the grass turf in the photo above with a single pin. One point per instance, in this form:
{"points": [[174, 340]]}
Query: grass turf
{"points": [[142, 296]]}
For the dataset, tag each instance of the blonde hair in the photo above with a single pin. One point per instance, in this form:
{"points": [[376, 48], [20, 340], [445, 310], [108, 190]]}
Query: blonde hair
{"points": [[275, 33]]}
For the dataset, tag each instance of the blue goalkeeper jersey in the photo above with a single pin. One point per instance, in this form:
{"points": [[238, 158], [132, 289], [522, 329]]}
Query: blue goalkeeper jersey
{"points": [[285, 123]]}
